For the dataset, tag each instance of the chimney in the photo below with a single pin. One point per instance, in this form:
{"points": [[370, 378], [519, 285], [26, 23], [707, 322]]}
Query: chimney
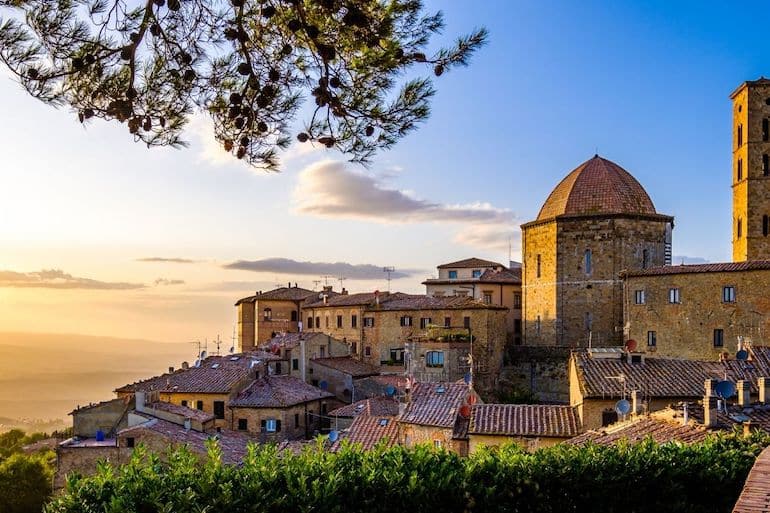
{"points": [[328, 288], [377, 297], [185, 365], [140, 397], [289, 286], [326, 298], [636, 402], [764, 390], [747, 428], [710, 404], [344, 291], [685, 414], [744, 393], [170, 370]]}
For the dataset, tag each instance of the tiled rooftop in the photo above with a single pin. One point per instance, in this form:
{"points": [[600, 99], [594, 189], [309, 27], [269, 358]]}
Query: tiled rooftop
{"points": [[290, 340], [723, 267], [397, 301], [597, 186], [664, 377], [435, 404], [374, 406], [348, 365], [215, 375], [182, 411], [502, 276], [524, 420], [277, 392], [470, 263], [374, 386], [368, 431], [280, 294], [755, 497]]}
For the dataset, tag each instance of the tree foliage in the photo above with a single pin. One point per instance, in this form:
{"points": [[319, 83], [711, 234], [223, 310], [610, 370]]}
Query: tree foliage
{"points": [[646, 477], [151, 64]]}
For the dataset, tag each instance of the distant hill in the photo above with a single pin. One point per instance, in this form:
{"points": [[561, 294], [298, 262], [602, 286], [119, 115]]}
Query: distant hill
{"points": [[45, 376]]}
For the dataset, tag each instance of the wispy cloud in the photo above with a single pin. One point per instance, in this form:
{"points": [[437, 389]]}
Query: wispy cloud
{"points": [[167, 260], [165, 281], [331, 189], [293, 267], [58, 279]]}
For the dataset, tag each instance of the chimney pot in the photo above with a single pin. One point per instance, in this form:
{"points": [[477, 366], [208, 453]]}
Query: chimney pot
{"points": [[744, 393], [636, 402], [710, 386], [710, 411], [764, 390], [170, 370], [747, 428]]}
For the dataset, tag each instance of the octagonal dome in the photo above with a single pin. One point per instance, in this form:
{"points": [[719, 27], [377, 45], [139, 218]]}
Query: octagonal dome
{"points": [[597, 186]]}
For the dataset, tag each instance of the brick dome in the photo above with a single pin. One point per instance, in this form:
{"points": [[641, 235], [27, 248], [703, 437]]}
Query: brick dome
{"points": [[597, 186]]}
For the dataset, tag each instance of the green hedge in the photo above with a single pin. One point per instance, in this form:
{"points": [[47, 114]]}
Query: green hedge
{"points": [[645, 477]]}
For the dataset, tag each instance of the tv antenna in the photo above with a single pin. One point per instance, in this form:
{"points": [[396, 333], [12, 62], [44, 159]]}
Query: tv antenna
{"points": [[316, 283], [389, 270], [342, 280], [325, 278], [201, 352], [218, 343], [232, 347]]}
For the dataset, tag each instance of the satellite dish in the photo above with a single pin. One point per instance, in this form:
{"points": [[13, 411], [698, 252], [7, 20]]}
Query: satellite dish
{"points": [[390, 390], [742, 354], [623, 407], [631, 345], [197, 363], [203, 355], [467, 378], [323, 385], [725, 389], [333, 436]]}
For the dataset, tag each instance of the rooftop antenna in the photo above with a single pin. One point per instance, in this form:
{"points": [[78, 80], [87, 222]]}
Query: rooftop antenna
{"points": [[316, 283], [325, 278], [218, 343], [389, 270], [509, 250], [198, 343], [232, 347], [342, 279]]}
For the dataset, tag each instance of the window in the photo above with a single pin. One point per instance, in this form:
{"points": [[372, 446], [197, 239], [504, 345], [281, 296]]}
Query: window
{"points": [[425, 322], [639, 297], [739, 228], [645, 258], [452, 275], [434, 359], [447, 322], [318, 322], [219, 409], [466, 322], [765, 225], [728, 294], [199, 405], [517, 326], [130, 441], [322, 351], [766, 165], [295, 364], [243, 424], [354, 347], [313, 382], [339, 321], [296, 420], [397, 355], [538, 266], [294, 316], [765, 129], [406, 320], [517, 301], [268, 314], [587, 261], [739, 172], [327, 321], [271, 425], [476, 273], [487, 298], [437, 444], [740, 135], [537, 325], [184, 403], [673, 296], [368, 351], [310, 323], [368, 322], [652, 339], [609, 416], [719, 338], [353, 321], [588, 321]]}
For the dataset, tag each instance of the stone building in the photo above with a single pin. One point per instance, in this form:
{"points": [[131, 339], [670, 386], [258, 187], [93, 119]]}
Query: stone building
{"points": [[489, 282], [297, 349], [751, 170], [698, 311], [338, 375], [597, 222]]}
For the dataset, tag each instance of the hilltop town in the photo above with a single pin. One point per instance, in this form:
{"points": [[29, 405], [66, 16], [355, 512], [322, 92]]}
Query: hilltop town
{"points": [[597, 329]]}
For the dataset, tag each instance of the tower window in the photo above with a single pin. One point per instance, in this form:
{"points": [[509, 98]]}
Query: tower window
{"points": [[639, 298], [766, 165], [728, 294], [765, 129], [268, 314], [652, 339], [719, 338], [740, 135], [538, 266], [740, 170], [587, 259], [739, 228], [765, 225]]}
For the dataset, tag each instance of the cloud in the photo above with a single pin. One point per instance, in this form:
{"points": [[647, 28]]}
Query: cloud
{"points": [[164, 281], [167, 260], [58, 279], [288, 266], [682, 259], [330, 189]]}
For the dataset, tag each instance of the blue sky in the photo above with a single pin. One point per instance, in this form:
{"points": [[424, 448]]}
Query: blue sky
{"points": [[646, 84]]}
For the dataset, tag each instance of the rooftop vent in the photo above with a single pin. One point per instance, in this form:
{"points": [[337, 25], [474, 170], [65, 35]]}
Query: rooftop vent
{"points": [[383, 422], [607, 353], [440, 389]]}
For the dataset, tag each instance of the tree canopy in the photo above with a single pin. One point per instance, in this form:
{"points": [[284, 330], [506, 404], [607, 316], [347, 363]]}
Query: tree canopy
{"points": [[151, 64]]}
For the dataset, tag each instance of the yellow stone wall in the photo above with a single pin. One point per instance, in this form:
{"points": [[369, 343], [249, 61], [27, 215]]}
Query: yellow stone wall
{"points": [[309, 421], [539, 291], [281, 315]]}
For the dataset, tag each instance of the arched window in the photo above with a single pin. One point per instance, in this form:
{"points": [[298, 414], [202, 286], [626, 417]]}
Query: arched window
{"points": [[268, 314]]}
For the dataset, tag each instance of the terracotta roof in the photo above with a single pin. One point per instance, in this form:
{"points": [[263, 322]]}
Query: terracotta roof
{"points": [[374, 386], [503, 276], [234, 445], [182, 411], [124, 400], [397, 301], [597, 186], [664, 377], [360, 299], [375, 406], [434, 404], [290, 340], [277, 392], [755, 497], [280, 294], [348, 365], [216, 375], [724, 267], [470, 262], [368, 431], [524, 420]]}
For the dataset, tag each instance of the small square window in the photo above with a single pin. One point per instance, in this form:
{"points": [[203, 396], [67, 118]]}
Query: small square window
{"points": [[434, 359], [452, 275], [476, 273], [184, 403], [447, 322], [406, 321], [271, 425], [243, 424], [424, 322], [488, 298], [130, 442], [368, 322], [368, 351], [437, 444], [199, 405]]}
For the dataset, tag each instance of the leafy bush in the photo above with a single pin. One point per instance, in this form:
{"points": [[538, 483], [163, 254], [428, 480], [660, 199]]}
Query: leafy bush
{"points": [[645, 477]]}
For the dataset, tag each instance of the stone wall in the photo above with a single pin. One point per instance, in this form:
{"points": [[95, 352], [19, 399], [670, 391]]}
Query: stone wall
{"points": [[191, 400], [539, 291], [246, 327], [82, 460], [107, 417], [541, 371], [686, 330], [297, 422], [281, 315], [529, 444]]}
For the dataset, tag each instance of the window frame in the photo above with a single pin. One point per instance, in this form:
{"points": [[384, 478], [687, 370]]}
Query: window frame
{"points": [[718, 338], [339, 322], [652, 338], [476, 273], [406, 321], [434, 359], [674, 296], [728, 298], [219, 405], [243, 424], [425, 322], [640, 297], [452, 275], [368, 322], [588, 262]]}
